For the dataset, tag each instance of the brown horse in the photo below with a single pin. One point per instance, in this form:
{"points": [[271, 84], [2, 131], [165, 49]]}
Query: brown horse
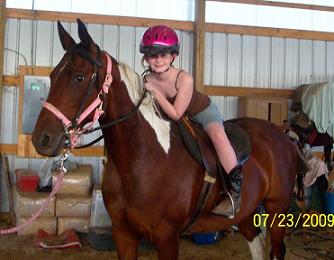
{"points": [[151, 183]]}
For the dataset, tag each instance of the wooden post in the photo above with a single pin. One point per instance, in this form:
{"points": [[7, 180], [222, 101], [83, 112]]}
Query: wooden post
{"points": [[2, 39], [5, 171], [199, 40]]}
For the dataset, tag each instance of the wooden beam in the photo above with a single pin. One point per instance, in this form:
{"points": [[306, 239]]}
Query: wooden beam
{"points": [[35, 70], [266, 31], [97, 19], [2, 39], [8, 149], [247, 91], [199, 41], [4, 216], [89, 151], [6, 174], [11, 81], [280, 4], [180, 25], [11, 149]]}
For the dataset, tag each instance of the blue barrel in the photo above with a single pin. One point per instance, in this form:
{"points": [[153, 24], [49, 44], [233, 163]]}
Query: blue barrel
{"points": [[329, 202]]}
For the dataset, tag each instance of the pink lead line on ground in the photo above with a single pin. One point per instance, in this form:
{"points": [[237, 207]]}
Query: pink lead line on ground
{"points": [[45, 203]]}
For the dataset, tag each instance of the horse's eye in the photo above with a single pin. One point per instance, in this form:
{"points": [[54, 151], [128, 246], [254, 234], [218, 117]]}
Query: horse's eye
{"points": [[79, 78]]}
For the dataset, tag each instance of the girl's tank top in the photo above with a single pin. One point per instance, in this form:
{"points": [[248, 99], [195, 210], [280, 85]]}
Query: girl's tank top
{"points": [[198, 102]]}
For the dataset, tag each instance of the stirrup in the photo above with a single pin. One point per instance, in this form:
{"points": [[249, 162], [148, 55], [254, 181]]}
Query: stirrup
{"points": [[223, 212], [232, 203]]}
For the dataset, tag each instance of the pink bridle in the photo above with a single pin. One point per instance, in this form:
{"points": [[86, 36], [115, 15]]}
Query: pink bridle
{"points": [[75, 133]]}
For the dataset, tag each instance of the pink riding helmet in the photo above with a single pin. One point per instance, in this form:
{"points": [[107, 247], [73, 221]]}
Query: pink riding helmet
{"points": [[159, 39]]}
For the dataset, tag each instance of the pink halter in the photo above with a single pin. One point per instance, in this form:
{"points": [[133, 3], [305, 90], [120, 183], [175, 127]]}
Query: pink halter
{"points": [[75, 133]]}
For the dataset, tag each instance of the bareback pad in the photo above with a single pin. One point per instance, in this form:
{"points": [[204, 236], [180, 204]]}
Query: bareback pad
{"points": [[202, 150]]}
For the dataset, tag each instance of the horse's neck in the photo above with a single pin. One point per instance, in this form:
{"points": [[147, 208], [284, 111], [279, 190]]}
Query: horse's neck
{"points": [[143, 128], [132, 150], [119, 107]]}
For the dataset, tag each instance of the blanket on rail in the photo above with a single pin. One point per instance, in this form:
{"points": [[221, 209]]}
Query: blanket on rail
{"points": [[318, 103]]}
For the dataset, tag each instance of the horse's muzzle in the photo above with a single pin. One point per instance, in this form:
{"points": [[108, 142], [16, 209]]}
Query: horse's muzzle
{"points": [[47, 143]]}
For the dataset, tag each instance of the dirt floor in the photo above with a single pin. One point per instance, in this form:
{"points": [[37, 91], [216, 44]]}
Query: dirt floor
{"points": [[299, 246]]}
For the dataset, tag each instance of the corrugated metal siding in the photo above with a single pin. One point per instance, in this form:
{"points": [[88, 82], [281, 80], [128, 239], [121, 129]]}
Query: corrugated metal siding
{"points": [[251, 61], [277, 62], [319, 61], [234, 55], [185, 59], [330, 61], [230, 59], [44, 41], [291, 62], [11, 43], [219, 59], [249, 54], [263, 62], [305, 64], [8, 127]]}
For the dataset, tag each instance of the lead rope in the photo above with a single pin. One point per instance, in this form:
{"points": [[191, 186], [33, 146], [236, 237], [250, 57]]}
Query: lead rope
{"points": [[63, 170]]}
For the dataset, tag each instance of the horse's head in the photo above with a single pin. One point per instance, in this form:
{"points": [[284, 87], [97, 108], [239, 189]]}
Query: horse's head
{"points": [[75, 85]]}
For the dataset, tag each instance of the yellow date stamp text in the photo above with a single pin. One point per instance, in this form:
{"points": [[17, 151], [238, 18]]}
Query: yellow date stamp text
{"points": [[292, 221]]}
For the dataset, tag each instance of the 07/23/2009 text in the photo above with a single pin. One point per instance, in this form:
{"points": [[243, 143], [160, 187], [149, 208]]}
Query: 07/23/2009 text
{"points": [[290, 220]]}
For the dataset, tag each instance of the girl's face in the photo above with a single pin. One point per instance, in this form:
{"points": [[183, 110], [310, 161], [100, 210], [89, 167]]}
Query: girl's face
{"points": [[161, 62]]}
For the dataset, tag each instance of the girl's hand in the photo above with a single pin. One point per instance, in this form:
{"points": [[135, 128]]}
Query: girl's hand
{"points": [[149, 87]]}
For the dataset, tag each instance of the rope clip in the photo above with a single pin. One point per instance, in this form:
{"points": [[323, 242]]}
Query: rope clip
{"points": [[62, 161]]}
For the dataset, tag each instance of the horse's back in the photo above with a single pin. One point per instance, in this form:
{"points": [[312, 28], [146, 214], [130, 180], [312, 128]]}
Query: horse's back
{"points": [[259, 129], [271, 148], [266, 136]]}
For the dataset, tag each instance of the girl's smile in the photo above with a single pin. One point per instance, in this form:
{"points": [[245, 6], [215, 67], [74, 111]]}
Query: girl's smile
{"points": [[160, 63]]}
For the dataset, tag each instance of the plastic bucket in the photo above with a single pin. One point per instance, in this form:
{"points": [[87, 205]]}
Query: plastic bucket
{"points": [[205, 238], [329, 202]]}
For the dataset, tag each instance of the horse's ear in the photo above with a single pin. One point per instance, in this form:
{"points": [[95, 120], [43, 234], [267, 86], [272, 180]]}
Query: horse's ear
{"points": [[65, 38], [84, 35]]}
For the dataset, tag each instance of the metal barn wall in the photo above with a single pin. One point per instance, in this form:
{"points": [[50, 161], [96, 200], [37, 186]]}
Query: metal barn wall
{"points": [[264, 62], [231, 60]]}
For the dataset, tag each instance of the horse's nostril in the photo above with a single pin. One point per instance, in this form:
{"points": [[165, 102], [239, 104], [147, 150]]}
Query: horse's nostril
{"points": [[45, 141]]}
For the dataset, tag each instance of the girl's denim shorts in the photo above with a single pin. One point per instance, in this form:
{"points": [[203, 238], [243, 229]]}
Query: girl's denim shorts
{"points": [[208, 115]]}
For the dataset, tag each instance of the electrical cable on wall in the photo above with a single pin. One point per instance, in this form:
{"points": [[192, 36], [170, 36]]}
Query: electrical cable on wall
{"points": [[18, 53]]}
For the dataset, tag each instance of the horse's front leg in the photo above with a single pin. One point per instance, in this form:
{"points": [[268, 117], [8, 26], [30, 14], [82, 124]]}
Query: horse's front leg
{"points": [[167, 244], [126, 243]]}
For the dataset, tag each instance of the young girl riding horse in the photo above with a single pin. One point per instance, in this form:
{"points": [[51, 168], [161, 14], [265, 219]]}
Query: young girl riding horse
{"points": [[175, 93]]}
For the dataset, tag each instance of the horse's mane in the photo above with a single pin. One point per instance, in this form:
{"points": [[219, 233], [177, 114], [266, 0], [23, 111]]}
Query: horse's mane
{"points": [[132, 80], [135, 86]]}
